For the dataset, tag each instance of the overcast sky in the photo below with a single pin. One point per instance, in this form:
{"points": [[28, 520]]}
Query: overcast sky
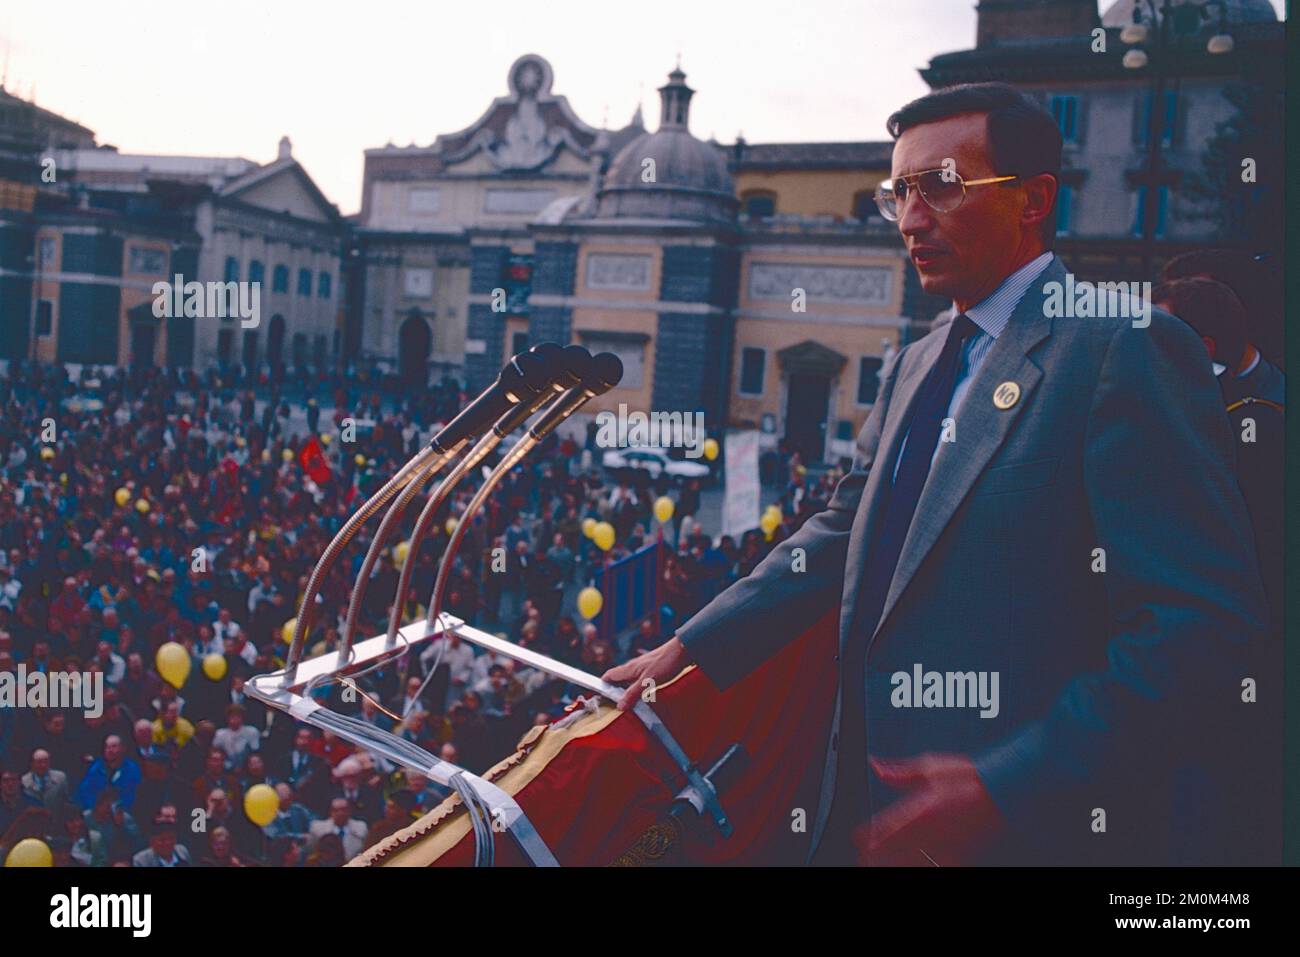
{"points": [[230, 78]]}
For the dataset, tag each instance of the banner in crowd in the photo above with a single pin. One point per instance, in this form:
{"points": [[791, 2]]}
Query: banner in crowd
{"points": [[741, 503]]}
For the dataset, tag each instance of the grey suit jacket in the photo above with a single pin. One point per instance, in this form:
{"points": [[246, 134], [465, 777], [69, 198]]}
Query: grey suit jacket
{"points": [[1116, 456], [55, 794], [354, 840]]}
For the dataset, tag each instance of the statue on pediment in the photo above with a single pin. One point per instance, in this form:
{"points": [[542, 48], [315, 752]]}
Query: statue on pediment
{"points": [[527, 141]]}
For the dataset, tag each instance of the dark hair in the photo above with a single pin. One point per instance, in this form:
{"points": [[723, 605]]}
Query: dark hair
{"points": [[1024, 139], [1212, 309], [1256, 283]]}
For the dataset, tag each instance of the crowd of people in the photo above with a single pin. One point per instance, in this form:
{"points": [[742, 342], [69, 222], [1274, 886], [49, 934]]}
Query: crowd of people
{"points": [[140, 507]]}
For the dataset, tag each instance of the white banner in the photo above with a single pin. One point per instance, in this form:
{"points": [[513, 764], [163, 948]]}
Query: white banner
{"points": [[741, 504]]}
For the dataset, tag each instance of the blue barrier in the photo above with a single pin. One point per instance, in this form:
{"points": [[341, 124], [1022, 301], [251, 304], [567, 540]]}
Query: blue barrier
{"points": [[631, 589]]}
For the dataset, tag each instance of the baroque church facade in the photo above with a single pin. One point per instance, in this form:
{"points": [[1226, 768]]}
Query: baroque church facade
{"points": [[752, 283]]}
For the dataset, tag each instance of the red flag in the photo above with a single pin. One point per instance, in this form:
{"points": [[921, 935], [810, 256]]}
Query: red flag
{"points": [[227, 484], [312, 460]]}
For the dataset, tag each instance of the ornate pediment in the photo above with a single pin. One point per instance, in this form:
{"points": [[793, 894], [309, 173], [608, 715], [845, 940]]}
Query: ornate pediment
{"points": [[810, 358], [525, 130]]}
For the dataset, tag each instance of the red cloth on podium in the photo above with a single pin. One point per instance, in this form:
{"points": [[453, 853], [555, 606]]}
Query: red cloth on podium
{"points": [[593, 789]]}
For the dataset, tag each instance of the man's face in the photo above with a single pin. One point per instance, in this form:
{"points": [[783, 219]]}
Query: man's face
{"points": [[113, 749], [302, 740], [9, 784], [339, 812], [963, 254], [220, 843], [163, 843], [41, 762]]}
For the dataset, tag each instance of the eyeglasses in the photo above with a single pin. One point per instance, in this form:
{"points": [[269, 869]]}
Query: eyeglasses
{"points": [[942, 189]]}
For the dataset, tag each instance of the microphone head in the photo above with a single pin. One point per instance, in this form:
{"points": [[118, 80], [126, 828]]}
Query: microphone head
{"points": [[559, 363], [576, 363], [605, 372], [526, 375], [550, 351]]}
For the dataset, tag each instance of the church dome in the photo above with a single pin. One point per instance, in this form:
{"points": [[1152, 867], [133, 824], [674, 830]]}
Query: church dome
{"points": [[669, 174]]}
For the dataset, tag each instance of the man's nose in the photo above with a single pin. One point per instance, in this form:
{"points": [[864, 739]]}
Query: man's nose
{"points": [[915, 215]]}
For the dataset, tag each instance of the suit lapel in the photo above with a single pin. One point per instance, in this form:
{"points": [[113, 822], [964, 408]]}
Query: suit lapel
{"points": [[981, 428]]}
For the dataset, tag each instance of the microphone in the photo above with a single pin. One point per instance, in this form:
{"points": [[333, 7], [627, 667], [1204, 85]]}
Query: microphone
{"points": [[604, 372], [601, 374], [522, 378], [563, 368], [574, 364]]}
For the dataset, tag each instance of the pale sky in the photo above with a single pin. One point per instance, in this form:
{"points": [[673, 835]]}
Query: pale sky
{"points": [[230, 78]]}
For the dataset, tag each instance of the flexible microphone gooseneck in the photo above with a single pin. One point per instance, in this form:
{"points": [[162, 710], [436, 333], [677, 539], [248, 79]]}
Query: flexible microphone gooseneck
{"points": [[604, 373], [431, 459], [575, 363], [529, 376]]}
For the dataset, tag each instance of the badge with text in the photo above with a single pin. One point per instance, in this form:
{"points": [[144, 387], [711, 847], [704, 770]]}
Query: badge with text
{"points": [[1006, 395]]}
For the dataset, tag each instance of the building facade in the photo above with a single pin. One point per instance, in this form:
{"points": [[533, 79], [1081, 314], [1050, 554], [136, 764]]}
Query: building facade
{"points": [[1082, 67], [89, 234]]}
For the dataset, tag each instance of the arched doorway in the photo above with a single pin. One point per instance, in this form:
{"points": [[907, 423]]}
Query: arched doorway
{"points": [[414, 341], [808, 369], [275, 342], [250, 352]]}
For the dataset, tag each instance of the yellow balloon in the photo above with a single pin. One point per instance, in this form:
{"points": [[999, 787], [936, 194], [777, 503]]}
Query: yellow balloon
{"points": [[768, 536], [286, 455], [122, 496], [768, 523], [450, 526], [603, 536], [359, 459], [141, 505], [214, 666], [30, 852], [710, 449], [326, 439], [590, 601], [286, 630], [173, 663], [400, 551], [663, 508], [266, 455], [261, 804], [589, 526], [47, 453]]}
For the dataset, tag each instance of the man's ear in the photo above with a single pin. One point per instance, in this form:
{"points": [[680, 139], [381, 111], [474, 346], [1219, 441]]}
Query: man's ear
{"points": [[1040, 200]]}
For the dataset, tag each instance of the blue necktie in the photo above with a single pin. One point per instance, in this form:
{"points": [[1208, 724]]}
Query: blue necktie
{"points": [[922, 436]]}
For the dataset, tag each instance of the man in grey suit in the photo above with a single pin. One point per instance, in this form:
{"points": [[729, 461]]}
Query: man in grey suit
{"points": [[47, 785], [1041, 558], [351, 832]]}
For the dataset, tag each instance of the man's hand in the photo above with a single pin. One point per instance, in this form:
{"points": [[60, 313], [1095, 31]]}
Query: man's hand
{"points": [[659, 665], [944, 817]]}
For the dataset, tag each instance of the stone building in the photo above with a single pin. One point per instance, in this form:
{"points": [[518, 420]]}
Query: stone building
{"points": [[1082, 68]]}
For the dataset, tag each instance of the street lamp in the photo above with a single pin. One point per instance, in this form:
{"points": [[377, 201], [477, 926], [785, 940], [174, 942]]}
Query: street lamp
{"points": [[1170, 21]]}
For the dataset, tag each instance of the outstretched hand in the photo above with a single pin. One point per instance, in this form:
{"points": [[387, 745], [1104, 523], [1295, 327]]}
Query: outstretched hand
{"points": [[659, 665]]}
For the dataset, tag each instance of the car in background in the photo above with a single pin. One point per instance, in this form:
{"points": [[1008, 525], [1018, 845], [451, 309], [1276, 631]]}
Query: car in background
{"points": [[655, 462]]}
